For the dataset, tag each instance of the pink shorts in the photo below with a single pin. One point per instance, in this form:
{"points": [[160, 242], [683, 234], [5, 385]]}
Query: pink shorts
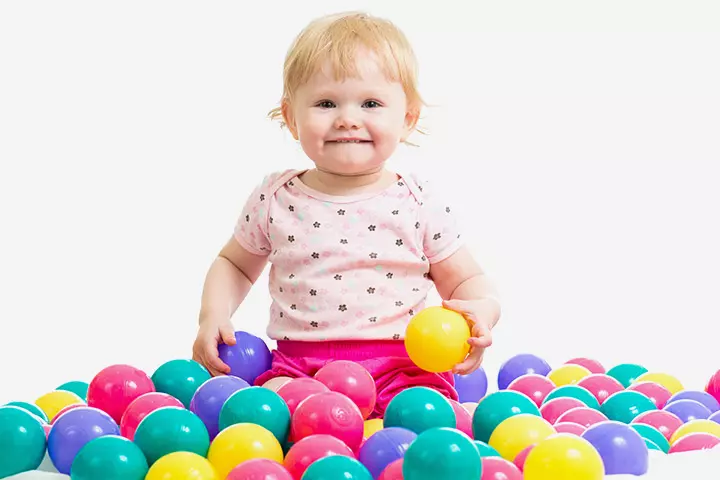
{"points": [[387, 362]]}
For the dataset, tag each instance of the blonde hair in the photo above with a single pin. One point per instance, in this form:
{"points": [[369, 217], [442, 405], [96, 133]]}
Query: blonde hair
{"points": [[335, 38]]}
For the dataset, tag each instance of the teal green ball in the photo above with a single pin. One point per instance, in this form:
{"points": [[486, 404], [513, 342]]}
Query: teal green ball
{"points": [[260, 406], [626, 373], [77, 387], [419, 409], [110, 457], [171, 429], [486, 450], [180, 378], [442, 453], [497, 407], [625, 405], [22, 441], [574, 391], [653, 434], [336, 467], [32, 408]]}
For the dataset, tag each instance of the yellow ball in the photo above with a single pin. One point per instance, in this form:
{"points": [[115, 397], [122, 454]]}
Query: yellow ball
{"points": [[667, 381], [436, 339], [182, 466], [241, 442], [564, 457], [568, 374], [372, 426], [516, 433], [696, 426], [52, 402]]}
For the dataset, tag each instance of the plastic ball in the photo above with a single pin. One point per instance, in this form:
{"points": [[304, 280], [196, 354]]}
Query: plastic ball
{"points": [[498, 407], [248, 358], [337, 467], [180, 378], [668, 381], [713, 386], [715, 417], [485, 449], [242, 442], [471, 387], [654, 391], [328, 413], [22, 441], [65, 410], [593, 365], [652, 434], [77, 387], [582, 416], [626, 373], [442, 453], [73, 430], [621, 448], [519, 461], [626, 405], [463, 418], [52, 402], [31, 408], [496, 468], [352, 380], [687, 410], [182, 466], [372, 426], [209, 399], [419, 409], [385, 447], [696, 426], [574, 391], [171, 429], [601, 386], [298, 389], [535, 386], [306, 451], [652, 445], [259, 469], [564, 457], [141, 407], [568, 374], [393, 471], [570, 427], [275, 383], [519, 365], [665, 422], [114, 387], [109, 458], [694, 442], [554, 408], [260, 406], [701, 397], [436, 339], [518, 432]]}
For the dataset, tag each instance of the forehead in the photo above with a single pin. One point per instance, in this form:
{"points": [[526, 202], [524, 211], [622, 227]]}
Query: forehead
{"points": [[364, 68]]}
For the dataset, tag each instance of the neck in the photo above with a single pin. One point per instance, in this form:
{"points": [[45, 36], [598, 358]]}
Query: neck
{"points": [[335, 183]]}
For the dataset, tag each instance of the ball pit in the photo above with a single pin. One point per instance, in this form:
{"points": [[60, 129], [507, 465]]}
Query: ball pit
{"points": [[577, 420]]}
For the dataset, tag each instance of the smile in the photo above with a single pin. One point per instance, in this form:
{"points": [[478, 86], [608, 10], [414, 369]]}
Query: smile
{"points": [[350, 141]]}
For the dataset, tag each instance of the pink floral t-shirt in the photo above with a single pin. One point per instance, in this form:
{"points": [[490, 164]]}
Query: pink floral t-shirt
{"points": [[346, 267]]}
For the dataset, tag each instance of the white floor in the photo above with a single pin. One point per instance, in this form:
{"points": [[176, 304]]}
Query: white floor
{"points": [[701, 465]]}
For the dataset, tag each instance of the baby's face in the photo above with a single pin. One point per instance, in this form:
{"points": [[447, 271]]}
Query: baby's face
{"points": [[351, 126]]}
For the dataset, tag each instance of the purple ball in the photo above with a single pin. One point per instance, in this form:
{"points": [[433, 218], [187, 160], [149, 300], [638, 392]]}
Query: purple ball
{"points": [[519, 365], [472, 387], [699, 396], [715, 417], [73, 430], [384, 447], [688, 410], [210, 397], [622, 449], [248, 358]]}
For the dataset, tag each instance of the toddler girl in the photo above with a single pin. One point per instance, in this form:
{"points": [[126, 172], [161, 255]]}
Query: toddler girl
{"points": [[354, 247]]}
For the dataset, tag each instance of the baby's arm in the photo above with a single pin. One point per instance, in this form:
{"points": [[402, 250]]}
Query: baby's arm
{"points": [[227, 283]]}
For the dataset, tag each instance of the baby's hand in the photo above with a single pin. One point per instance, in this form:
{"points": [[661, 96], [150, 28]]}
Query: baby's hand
{"points": [[205, 348], [480, 315]]}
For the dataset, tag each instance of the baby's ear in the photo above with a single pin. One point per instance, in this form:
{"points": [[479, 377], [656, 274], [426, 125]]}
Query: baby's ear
{"points": [[289, 118], [411, 120]]}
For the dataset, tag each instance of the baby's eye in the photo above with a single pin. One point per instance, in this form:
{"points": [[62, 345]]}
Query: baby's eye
{"points": [[326, 104], [371, 104]]}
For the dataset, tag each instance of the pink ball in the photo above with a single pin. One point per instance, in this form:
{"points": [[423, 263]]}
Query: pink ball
{"points": [[259, 469], [694, 441], [569, 427], [463, 418], [298, 389], [713, 386], [601, 386], [582, 416], [497, 468], [328, 413], [141, 407], [519, 461], [551, 410], [114, 387], [307, 450], [593, 365], [535, 386], [393, 471], [352, 380], [654, 391], [666, 422]]}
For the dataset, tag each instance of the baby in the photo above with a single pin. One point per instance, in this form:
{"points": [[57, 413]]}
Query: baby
{"points": [[354, 248]]}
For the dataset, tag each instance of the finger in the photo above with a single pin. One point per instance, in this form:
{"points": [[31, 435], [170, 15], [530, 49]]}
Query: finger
{"points": [[474, 358], [482, 336], [213, 359], [227, 334]]}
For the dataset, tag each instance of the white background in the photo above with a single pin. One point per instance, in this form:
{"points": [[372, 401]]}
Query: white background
{"points": [[131, 133]]}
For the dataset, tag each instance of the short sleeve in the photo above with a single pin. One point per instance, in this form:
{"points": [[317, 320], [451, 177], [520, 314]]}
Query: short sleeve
{"points": [[251, 228], [441, 236]]}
